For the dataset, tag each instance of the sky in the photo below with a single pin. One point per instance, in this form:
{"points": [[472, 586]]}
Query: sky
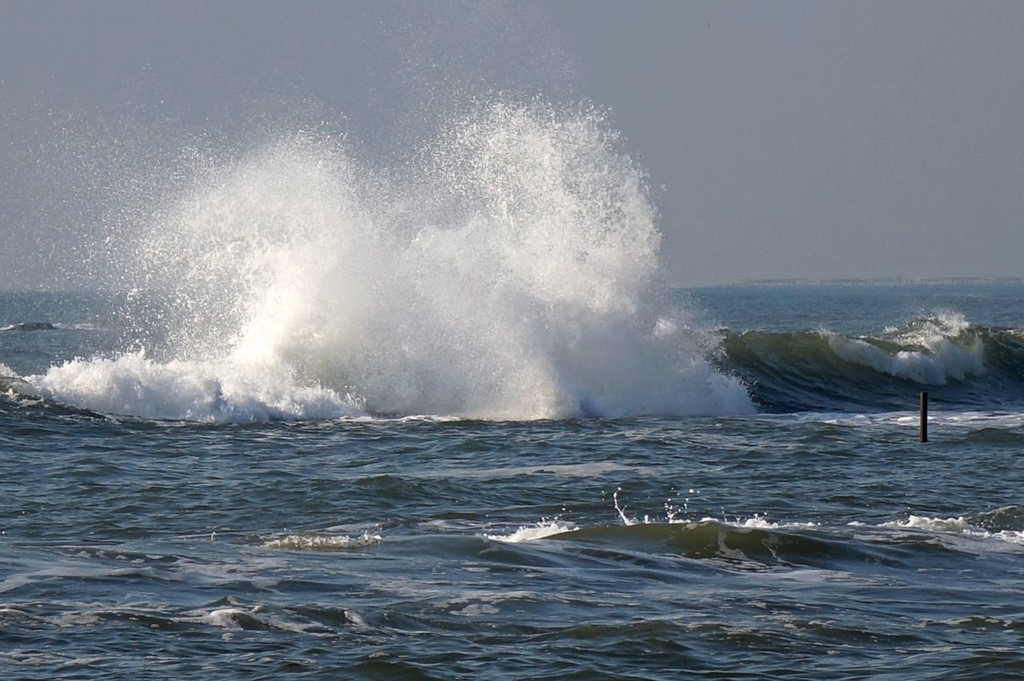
{"points": [[787, 139]]}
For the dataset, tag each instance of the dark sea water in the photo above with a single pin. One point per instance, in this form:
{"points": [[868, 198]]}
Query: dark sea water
{"points": [[166, 515], [439, 420]]}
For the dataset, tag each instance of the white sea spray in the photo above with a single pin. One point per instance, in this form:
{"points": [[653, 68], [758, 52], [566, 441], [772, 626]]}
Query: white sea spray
{"points": [[507, 271]]}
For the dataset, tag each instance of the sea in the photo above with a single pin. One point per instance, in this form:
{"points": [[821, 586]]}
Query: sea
{"points": [[448, 422]]}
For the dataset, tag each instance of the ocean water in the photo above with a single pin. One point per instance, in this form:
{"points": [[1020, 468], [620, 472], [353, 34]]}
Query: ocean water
{"points": [[444, 422]]}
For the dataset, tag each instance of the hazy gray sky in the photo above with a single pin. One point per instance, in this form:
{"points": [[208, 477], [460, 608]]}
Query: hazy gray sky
{"points": [[783, 139]]}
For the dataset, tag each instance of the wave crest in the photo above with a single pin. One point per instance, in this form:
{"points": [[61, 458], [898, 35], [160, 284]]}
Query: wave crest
{"points": [[961, 363]]}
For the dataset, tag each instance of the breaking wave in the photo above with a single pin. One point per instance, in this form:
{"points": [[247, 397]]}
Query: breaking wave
{"points": [[508, 270], [956, 361]]}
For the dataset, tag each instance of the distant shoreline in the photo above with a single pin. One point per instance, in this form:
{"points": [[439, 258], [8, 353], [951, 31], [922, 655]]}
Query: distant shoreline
{"points": [[882, 281]]}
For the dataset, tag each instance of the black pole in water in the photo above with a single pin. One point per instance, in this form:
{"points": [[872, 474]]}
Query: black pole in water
{"points": [[924, 417]]}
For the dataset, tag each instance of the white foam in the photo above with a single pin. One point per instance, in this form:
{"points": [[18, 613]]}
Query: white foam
{"points": [[541, 530], [755, 522], [956, 526], [213, 391], [225, 617], [507, 272], [322, 542], [943, 351], [1011, 536]]}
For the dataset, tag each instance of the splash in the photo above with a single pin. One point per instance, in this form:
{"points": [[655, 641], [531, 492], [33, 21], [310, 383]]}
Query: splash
{"points": [[507, 271]]}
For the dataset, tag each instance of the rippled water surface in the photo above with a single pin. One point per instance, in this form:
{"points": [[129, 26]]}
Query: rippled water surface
{"points": [[801, 544]]}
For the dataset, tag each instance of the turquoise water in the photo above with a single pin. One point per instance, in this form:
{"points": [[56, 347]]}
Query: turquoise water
{"points": [[804, 533]]}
